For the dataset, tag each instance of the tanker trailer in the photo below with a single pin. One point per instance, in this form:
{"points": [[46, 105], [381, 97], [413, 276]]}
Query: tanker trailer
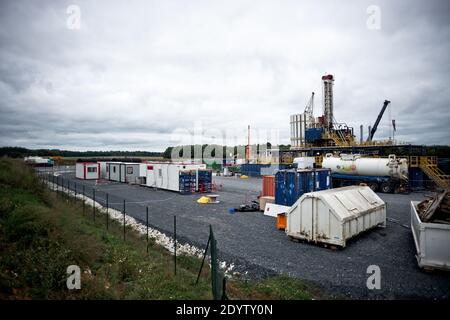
{"points": [[384, 174]]}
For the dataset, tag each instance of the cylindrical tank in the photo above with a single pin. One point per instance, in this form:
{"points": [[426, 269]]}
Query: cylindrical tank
{"points": [[356, 165]]}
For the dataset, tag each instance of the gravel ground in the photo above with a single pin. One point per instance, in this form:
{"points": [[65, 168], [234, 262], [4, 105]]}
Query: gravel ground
{"points": [[251, 241]]}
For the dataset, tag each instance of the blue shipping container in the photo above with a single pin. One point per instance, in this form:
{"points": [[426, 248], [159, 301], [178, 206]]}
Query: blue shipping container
{"points": [[205, 180], [291, 185], [415, 178], [254, 169]]}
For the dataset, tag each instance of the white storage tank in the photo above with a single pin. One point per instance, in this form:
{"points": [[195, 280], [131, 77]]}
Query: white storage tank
{"points": [[356, 165], [87, 170], [333, 216]]}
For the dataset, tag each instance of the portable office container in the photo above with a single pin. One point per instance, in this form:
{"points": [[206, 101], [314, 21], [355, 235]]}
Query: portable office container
{"points": [[336, 215], [178, 177], [292, 184], [127, 172], [103, 167], [142, 178], [87, 170], [431, 240]]}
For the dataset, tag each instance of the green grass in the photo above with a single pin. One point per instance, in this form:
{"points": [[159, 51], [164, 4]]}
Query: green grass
{"points": [[41, 234]]}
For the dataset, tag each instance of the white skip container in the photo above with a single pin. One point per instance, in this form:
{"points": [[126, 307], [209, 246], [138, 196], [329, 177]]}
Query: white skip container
{"points": [[432, 241], [333, 216]]}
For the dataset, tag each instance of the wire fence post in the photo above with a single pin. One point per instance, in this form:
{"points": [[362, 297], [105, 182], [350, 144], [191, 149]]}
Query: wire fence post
{"points": [[175, 244], [107, 211], [75, 185], [93, 203], [214, 267], [124, 219], [68, 190], [84, 202], [146, 223], [203, 260]]}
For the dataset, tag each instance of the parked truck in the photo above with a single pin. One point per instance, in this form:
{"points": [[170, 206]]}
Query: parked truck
{"points": [[380, 174]]}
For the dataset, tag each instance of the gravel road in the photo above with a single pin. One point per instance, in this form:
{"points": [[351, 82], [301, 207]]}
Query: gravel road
{"points": [[251, 241]]}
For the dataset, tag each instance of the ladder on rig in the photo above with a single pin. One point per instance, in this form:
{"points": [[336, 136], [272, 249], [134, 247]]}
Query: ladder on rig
{"points": [[430, 168]]}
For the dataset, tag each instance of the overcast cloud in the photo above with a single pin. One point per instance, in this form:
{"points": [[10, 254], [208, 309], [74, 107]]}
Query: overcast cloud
{"points": [[137, 71]]}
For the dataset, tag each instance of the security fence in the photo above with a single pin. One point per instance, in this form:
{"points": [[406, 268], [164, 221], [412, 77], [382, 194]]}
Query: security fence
{"points": [[91, 198]]}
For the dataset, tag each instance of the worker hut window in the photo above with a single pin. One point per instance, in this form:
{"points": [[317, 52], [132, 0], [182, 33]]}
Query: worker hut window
{"points": [[92, 169], [160, 172], [114, 169], [129, 170]]}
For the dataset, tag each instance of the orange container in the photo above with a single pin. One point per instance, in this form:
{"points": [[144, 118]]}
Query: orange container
{"points": [[268, 189], [281, 221]]}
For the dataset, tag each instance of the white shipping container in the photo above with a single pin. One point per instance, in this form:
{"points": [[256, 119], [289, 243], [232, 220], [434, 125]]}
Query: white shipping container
{"points": [[87, 170], [333, 216], [432, 241], [167, 175]]}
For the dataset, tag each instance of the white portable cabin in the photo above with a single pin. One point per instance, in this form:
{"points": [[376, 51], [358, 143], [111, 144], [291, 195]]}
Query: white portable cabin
{"points": [[167, 175], [123, 171], [103, 172], [142, 179], [87, 170], [333, 216]]}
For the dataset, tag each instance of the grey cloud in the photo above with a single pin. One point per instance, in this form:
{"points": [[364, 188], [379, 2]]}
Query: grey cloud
{"points": [[137, 71]]}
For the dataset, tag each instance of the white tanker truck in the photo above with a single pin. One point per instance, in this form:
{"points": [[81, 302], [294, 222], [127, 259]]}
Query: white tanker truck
{"points": [[384, 174]]}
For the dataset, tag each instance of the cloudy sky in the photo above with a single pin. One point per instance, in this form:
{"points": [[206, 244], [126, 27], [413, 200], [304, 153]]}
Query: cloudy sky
{"points": [[140, 75]]}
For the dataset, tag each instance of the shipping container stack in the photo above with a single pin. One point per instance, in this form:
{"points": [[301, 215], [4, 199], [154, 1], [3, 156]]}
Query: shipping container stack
{"points": [[204, 181], [187, 182]]}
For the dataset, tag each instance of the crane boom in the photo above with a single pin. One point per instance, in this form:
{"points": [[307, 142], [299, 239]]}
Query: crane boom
{"points": [[375, 126]]}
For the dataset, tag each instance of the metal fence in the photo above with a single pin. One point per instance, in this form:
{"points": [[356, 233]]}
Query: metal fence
{"points": [[75, 192]]}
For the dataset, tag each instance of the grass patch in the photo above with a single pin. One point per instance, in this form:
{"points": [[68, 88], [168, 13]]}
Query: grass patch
{"points": [[42, 234]]}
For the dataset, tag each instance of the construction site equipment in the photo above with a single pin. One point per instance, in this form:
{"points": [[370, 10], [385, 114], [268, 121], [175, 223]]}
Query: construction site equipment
{"points": [[377, 121], [431, 240], [268, 187], [281, 221], [385, 174], [263, 201], [430, 168], [292, 184], [336, 215], [253, 206]]}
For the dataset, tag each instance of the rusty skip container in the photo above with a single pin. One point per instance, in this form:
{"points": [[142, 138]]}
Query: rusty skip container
{"points": [[333, 216], [432, 241], [268, 189]]}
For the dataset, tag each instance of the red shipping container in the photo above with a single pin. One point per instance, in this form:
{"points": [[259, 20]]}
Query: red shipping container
{"points": [[268, 186]]}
